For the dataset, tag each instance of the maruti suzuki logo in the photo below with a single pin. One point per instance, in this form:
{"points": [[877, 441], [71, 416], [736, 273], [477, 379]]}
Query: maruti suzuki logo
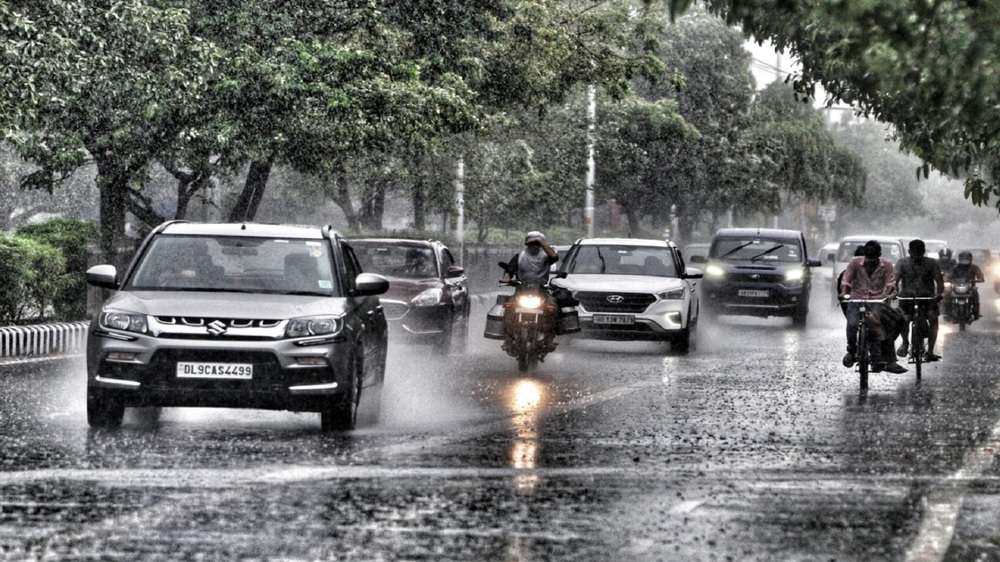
{"points": [[216, 327], [616, 299]]}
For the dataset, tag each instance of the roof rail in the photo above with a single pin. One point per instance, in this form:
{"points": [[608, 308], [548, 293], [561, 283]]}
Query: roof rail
{"points": [[163, 225]]}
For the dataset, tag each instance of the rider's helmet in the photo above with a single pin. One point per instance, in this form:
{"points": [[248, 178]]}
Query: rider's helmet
{"points": [[965, 258], [946, 254], [917, 248], [534, 237]]}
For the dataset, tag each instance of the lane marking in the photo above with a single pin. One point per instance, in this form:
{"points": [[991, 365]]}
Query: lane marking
{"points": [[944, 503], [686, 506]]}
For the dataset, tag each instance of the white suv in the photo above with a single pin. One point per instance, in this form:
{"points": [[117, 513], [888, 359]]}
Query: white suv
{"points": [[632, 289]]}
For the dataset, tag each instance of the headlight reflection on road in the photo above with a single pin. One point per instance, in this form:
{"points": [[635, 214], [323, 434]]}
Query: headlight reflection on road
{"points": [[527, 397]]}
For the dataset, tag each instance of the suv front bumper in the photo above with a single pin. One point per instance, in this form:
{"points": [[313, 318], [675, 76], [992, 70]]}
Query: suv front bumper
{"points": [[286, 376], [782, 300], [661, 321]]}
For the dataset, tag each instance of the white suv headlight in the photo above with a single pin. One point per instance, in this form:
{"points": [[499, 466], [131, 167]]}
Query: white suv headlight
{"points": [[124, 321], [430, 297], [314, 326], [672, 295]]}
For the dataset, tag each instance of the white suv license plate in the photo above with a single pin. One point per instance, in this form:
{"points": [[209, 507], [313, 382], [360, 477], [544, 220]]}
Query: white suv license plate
{"points": [[754, 293], [230, 371], [614, 320]]}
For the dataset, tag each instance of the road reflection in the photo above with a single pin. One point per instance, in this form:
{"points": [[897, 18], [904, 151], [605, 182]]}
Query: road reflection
{"points": [[526, 400]]}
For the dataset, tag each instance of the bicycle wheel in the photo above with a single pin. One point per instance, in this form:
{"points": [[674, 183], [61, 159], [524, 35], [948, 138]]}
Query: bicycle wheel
{"points": [[917, 336], [863, 355]]}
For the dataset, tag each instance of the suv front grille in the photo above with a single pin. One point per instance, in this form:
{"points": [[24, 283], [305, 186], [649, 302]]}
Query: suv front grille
{"points": [[631, 303], [755, 278], [197, 327]]}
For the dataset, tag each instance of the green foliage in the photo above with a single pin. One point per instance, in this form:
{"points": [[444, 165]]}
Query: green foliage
{"points": [[928, 68], [32, 275], [72, 238]]}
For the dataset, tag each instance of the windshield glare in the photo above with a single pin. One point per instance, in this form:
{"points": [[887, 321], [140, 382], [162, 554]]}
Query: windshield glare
{"points": [[397, 260], [237, 264], [890, 251], [623, 260], [761, 249]]}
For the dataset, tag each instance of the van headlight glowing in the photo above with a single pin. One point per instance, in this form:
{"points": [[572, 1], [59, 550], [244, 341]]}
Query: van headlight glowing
{"points": [[795, 274], [714, 271], [529, 301]]}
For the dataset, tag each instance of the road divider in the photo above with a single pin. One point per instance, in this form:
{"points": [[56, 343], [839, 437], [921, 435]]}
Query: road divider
{"points": [[43, 340]]}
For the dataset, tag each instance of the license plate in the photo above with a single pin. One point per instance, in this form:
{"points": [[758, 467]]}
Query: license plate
{"points": [[614, 320], [754, 293], [232, 371]]}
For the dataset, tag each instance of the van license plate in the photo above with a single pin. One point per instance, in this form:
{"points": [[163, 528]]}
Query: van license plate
{"points": [[753, 293], [614, 320], [232, 371]]}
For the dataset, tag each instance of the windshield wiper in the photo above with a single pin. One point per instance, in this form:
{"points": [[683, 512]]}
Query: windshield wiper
{"points": [[604, 265], [736, 249], [766, 252]]}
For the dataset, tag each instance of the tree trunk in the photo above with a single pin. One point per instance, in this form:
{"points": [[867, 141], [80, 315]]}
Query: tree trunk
{"points": [[113, 186], [419, 206], [634, 222], [253, 191], [342, 197], [374, 208]]}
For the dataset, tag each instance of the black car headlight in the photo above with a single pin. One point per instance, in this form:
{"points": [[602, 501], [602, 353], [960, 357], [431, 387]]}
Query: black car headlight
{"points": [[124, 321], [314, 326]]}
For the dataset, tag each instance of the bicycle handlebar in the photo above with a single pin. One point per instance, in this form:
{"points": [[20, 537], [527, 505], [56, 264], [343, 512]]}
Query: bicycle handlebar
{"points": [[882, 300], [917, 298]]}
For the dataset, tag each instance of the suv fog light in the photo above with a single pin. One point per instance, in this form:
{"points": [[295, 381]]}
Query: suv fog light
{"points": [[122, 357], [674, 317], [311, 361]]}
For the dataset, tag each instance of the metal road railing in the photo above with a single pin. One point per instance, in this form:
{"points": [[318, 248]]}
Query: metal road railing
{"points": [[63, 338]]}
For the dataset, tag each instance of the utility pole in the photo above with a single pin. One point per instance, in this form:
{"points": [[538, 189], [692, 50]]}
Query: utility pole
{"points": [[460, 208], [588, 203], [777, 76]]}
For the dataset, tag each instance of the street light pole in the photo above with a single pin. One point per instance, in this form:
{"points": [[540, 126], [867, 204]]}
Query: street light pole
{"points": [[588, 204], [460, 208]]}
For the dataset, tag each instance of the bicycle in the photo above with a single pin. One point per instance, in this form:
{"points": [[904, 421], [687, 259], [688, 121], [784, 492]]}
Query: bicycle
{"points": [[864, 354], [920, 329]]}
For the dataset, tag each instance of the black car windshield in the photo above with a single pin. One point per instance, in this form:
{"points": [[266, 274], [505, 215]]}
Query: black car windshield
{"points": [[397, 260], [623, 260], [847, 248], [236, 264], [758, 249]]}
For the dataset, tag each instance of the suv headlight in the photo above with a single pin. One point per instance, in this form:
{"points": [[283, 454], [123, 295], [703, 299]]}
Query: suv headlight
{"points": [[430, 297], [124, 321], [314, 326], [672, 295], [715, 272], [795, 274]]}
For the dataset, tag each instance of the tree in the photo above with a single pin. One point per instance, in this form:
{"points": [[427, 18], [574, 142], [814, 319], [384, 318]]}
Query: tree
{"points": [[927, 68]]}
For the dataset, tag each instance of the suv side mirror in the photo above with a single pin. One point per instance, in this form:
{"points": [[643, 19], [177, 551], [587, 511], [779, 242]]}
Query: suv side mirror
{"points": [[455, 271], [692, 273], [561, 275], [698, 259], [104, 276], [369, 285], [814, 263]]}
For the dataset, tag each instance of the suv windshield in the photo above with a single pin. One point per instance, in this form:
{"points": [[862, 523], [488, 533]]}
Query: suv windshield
{"points": [[890, 251], [397, 260], [757, 249], [623, 260], [236, 264]]}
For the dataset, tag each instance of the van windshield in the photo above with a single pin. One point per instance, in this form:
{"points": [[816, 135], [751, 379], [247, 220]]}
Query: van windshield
{"points": [[890, 251], [762, 249], [236, 264]]}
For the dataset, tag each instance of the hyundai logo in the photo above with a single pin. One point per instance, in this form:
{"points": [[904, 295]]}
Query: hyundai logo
{"points": [[755, 276], [616, 299], [216, 327]]}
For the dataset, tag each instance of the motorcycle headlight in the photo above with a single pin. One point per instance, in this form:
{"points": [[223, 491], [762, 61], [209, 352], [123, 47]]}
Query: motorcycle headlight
{"points": [[671, 295], [962, 289], [996, 270], [947, 284], [795, 274], [124, 321], [529, 301], [714, 271], [430, 297], [314, 326]]}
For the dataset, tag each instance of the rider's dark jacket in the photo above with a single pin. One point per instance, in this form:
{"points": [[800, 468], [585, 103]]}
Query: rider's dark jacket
{"points": [[967, 272]]}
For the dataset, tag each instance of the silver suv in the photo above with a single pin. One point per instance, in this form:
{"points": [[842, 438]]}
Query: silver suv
{"points": [[238, 316]]}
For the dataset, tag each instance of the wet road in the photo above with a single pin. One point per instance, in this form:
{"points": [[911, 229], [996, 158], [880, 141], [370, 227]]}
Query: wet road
{"points": [[757, 445]]}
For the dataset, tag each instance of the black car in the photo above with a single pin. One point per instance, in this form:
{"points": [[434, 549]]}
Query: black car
{"points": [[428, 297], [758, 272]]}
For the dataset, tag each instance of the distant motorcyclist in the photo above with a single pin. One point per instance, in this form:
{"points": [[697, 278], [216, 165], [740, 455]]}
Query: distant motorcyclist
{"points": [[968, 272], [947, 261], [920, 276], [867, 278]]}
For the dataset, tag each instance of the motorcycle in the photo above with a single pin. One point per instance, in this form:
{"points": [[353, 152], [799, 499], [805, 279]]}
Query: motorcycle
{"points": [[961, 311], [528, 322]]}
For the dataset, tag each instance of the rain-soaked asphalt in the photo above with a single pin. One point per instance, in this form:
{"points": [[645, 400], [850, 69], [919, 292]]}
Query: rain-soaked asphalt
{"points": [[757, 445]]}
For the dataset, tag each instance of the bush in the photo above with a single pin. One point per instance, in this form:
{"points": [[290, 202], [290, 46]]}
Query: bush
{"points": [[32, 275], [73, 238]]}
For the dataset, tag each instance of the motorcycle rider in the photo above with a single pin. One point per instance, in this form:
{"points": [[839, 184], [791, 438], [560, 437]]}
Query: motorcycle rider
{"points": [[968, 272], [866, 278], [947, 261], [920, 276], [531, 267]]}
